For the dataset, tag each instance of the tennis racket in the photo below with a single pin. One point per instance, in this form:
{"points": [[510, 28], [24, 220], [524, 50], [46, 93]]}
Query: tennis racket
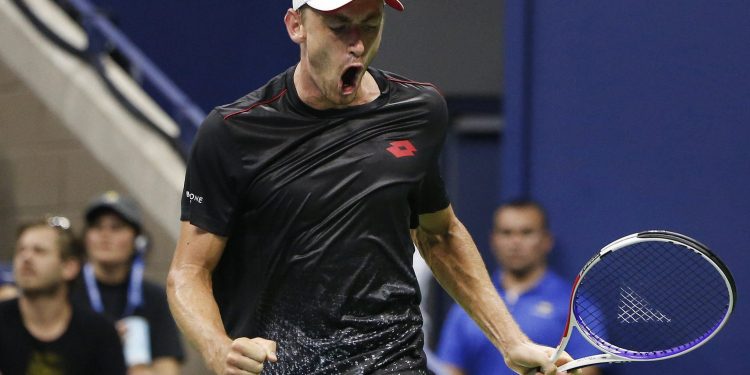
{"points": [[648, 296]]}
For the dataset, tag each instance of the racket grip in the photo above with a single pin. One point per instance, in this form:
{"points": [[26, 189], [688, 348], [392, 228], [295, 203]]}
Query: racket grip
{"points": [[554, 358]]}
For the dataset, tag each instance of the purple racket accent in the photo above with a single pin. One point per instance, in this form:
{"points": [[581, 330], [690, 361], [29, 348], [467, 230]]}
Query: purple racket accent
{"points": [[653, 299]]}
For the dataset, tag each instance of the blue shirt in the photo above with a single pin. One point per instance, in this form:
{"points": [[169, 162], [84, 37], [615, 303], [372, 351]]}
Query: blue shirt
{"points": [[541, 313]]}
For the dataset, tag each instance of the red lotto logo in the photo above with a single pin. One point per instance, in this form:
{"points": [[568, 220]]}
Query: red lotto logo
{"points": [[400, 149]]}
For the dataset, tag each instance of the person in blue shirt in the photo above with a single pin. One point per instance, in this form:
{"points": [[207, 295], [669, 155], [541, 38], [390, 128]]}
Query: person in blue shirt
{"points": [[8, 288], [536, 296]]}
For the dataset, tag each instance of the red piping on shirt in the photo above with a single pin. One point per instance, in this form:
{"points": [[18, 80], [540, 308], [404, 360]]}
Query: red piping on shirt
{"points": [[250, 108], [406, 81]]}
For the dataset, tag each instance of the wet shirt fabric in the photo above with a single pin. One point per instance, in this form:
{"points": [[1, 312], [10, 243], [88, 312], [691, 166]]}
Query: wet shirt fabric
{"points": [[317, 206], [89, 346]]}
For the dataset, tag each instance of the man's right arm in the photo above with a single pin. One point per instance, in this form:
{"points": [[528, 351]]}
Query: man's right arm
{"points": [[195, 310]]}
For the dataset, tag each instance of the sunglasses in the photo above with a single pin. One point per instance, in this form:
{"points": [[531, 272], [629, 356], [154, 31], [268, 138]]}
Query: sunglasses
{"points": [[60, 222]]}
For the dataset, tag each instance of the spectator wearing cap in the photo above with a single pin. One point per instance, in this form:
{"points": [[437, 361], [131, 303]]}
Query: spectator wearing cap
{"points": [[41, 332], [113, 285]]}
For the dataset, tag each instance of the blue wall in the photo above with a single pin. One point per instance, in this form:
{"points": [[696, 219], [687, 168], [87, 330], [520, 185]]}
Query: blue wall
{"points": [[628, 115], [214, 51]]}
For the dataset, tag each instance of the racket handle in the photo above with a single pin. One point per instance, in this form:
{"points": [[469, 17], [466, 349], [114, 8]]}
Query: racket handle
{"points": [[554, 358], [591, 361]]}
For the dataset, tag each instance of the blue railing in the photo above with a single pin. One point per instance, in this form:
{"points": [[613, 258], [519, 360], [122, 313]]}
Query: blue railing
{"points": [[103, 38]]}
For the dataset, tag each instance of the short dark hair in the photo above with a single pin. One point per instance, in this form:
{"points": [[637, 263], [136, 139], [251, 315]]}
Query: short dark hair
{"points": [[302, 10], [69, 244], [526, 203]]}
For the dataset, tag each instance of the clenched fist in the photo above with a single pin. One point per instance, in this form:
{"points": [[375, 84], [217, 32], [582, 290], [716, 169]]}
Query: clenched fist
{"points": [[247, 356]]}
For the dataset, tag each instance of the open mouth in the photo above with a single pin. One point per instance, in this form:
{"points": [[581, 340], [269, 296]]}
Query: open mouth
{"points": [[349, 79]]}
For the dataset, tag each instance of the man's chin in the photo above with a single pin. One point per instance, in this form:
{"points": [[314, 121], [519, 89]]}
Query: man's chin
{"points": [[520, 272]]}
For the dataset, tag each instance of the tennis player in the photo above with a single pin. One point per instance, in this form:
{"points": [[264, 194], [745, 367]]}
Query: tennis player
{"points": [[300, 205]]}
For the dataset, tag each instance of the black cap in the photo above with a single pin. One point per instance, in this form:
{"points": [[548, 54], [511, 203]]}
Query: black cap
{"points": [[123, 206]]}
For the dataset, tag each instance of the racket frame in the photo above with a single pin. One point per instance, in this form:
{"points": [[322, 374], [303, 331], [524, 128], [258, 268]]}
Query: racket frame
{"points": [[608, 356]]}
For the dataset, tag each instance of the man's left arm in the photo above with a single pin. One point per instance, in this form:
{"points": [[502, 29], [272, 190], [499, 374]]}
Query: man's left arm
{"points": [[454, 259]]}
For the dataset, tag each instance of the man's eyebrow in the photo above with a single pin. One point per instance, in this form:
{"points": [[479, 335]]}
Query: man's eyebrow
{"points": [[345, 19]]}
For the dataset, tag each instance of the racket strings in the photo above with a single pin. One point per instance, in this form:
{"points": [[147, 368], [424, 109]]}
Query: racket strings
{"points": [[651, 299], [634, 309]]}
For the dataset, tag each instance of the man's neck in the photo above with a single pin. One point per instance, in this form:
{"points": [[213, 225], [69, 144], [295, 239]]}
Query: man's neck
{"points": [[111, 274], [46, 316]]}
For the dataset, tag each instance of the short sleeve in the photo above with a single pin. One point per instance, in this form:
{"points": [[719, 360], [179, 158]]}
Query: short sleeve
{"points": [[430, 194], [209, 196]]}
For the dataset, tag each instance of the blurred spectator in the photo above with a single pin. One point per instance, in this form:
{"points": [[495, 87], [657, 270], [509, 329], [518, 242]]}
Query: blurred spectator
{"points": [[41, 332], [536, 297], [113, 285], [8, 289]]}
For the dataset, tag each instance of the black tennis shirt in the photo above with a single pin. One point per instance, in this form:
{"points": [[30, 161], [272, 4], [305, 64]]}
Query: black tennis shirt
{"points": [[317, 206], [88, 346]]}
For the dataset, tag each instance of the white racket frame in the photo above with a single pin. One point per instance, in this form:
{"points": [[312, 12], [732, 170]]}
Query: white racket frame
{"points": [[608, 356]]}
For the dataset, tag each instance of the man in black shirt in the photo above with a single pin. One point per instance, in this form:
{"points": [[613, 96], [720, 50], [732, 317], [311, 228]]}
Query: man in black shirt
{"points": [[300, 206], [41, 332], [112, 284]]}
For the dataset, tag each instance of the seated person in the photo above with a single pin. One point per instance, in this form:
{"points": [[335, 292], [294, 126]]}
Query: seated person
{"points": [[41, 332], [113, 285]]}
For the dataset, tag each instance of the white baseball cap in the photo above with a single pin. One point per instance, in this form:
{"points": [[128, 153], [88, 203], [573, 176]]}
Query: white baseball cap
{"points": [[326, 5]]}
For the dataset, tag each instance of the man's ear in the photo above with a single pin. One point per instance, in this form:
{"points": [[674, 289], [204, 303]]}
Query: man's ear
{"points": [[549, 241], [293, 22]]}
